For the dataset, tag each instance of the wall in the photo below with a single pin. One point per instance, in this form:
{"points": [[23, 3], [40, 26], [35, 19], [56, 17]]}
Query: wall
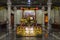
{"points": [[56, 15], [4, 12], [52, 15], [39, 16], [3, 15], [18, 16]]}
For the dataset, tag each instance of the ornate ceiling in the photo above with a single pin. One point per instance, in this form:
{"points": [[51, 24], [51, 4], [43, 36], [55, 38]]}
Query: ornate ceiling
{"points": [[33, 2]]}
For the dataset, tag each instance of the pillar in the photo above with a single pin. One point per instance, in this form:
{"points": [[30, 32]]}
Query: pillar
{"points": [[49, 17], [43, 25], [15, 13], [9, 19]]}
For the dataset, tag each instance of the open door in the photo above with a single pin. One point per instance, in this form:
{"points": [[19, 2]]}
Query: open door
{"points": [[12, 20]]}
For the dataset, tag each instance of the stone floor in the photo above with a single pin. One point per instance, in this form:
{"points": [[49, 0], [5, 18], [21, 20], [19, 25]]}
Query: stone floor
{"points": [[28, 38]]}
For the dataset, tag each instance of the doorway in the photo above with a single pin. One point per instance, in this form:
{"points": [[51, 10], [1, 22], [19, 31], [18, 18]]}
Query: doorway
{"points": [[12, 20]]}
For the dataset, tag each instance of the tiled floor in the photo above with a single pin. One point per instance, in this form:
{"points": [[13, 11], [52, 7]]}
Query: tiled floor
{"points": [[29, 38]]}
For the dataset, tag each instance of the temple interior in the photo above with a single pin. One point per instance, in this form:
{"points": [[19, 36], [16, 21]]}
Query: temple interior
{"points": [[29, 19]]}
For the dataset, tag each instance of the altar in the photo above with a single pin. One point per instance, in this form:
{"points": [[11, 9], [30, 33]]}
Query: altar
{"points": [[28, 25]]}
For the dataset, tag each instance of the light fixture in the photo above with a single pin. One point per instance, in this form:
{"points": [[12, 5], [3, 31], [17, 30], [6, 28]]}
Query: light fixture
{"points": [[29, 2], [27, 30], [31, 18], [31, 30]]}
